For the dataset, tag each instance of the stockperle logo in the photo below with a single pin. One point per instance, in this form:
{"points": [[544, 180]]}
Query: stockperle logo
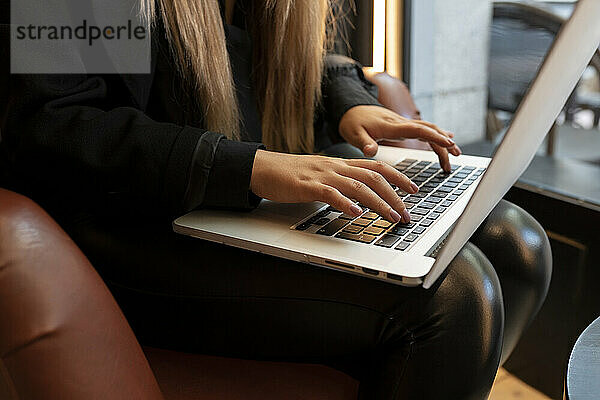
{"points": [[79, 37]]}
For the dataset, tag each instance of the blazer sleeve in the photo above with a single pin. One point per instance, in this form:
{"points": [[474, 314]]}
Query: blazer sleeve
{"points": [[67, 134], [345, 86]]}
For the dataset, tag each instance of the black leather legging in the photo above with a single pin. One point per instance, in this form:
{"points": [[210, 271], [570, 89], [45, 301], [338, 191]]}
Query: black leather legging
{"points": [[401, 343]]}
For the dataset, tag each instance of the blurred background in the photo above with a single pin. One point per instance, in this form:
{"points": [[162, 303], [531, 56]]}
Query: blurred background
{"points": [[468, 65]]}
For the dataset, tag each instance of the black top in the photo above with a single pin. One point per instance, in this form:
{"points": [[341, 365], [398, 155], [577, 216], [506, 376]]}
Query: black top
{"points": [[126, 142]]}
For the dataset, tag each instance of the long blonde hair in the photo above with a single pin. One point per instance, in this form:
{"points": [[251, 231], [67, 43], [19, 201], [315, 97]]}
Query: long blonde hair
{"points": [[289, 38]]}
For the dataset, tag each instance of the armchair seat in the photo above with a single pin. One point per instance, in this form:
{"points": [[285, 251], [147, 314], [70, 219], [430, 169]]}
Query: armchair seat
{"points": [[184, 376]]}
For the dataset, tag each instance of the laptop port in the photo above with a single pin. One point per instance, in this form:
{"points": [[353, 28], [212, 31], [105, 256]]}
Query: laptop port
{"points": [[395, 277], [370, 271], [339, 264]]}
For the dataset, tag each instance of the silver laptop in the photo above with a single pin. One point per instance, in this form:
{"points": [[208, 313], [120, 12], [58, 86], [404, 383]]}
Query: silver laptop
{"points": [[448, 207]]}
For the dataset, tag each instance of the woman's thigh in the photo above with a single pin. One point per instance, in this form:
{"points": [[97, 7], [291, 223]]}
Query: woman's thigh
{"points": [[196, 296]]}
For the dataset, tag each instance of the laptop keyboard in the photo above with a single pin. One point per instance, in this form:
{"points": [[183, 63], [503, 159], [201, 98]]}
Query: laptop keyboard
{"points": [[438, 191]]}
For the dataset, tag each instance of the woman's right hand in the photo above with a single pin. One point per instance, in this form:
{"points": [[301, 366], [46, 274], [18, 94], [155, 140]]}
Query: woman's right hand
{"points": [[288, 178]]}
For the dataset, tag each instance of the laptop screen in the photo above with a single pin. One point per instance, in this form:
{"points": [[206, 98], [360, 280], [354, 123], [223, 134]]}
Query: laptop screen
{"points": [[568, 57]]}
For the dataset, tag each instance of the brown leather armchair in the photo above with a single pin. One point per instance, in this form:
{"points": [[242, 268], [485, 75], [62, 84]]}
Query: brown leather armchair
{"points": [[63, 336]]}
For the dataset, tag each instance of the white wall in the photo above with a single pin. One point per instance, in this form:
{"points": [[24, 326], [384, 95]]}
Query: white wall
{"points": [[449, 53]]}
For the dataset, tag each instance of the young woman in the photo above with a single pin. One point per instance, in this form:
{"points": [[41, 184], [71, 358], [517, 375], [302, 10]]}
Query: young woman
{"points": [[240, 97]]}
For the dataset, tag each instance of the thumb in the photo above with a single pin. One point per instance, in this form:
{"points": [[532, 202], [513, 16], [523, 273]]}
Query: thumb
{"points": [[363, 141]]}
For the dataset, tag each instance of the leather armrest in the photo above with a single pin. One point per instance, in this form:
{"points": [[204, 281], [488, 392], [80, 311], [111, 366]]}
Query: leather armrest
{"points": [[394, 94], [62, 334]]}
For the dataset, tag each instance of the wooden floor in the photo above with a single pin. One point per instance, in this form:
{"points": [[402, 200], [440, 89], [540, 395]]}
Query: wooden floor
{"points": [[509, 387]]}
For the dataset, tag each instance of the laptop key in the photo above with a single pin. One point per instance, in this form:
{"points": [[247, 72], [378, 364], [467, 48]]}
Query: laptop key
{"points": [[372, 230], [382, 223], [410, 225], [436, 181], [361, 237], [411, 238], [433, 199], [402, 246], [312, 219], [362, 222], [427, 223], [303, 226], [418, 230], [432, 185], [439, 194], [428, 187], [388, 241], [413, 199], [415, 218], [440, 209], [322, 221], [464, 187], [433, 215], [445, 189], [419, 211], [427, 205], [354, 229], [398, 230], [347, 217], [458, 192], [370, 215], [409, 206], [331, 228], [452, 197], [446, 203]]}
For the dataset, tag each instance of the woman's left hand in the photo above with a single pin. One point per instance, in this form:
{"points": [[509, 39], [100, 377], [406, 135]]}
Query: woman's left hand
{"points": [[364, 126]]}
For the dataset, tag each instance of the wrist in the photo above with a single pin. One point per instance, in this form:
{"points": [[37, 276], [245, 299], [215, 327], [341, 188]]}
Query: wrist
{"points": [[257, 170]]}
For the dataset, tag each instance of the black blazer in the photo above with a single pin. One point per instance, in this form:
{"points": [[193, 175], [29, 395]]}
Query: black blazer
{"points": [[72, 141]]}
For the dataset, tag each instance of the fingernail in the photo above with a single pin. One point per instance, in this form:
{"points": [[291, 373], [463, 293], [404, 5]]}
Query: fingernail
{"points": [[356, 210], [414, 187], [451, 141], [406, 216], [368, 149], [395, 216]]}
